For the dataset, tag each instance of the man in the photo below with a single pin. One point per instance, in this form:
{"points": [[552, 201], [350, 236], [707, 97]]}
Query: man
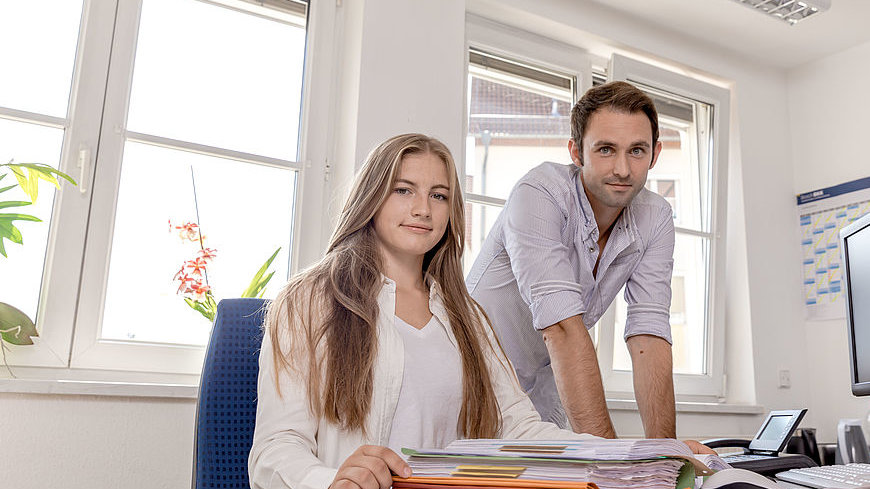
{"points": [[568, 239]]}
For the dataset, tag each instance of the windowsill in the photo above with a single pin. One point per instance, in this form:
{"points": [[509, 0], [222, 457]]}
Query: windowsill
{"points": [[98, 388], [692, 407], [182, 391]]}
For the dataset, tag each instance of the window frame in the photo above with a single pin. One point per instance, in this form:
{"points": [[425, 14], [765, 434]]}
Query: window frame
{"points": [[66, 240], [711, 385], [523, 47], [69, 322]]}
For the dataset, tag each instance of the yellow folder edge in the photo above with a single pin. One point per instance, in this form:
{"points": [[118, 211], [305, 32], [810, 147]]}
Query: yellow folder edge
{"points": [[501, 482]]}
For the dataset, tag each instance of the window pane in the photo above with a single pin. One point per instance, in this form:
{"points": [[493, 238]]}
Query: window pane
{"points": [[21, 270], [479, 219], [681, 174], [217, 76], [38, 39], [514, 124], [245, 213], [688, 309]]}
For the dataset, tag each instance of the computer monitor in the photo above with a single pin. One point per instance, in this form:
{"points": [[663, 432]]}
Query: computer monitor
{"points": [[855, 253]]}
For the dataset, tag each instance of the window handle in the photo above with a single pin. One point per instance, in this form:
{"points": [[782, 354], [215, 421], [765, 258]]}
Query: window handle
{"points": [[84, 163]]}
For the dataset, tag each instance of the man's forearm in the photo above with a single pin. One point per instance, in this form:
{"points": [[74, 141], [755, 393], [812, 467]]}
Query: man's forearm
{"points": [[652, 364], [578, 379]]}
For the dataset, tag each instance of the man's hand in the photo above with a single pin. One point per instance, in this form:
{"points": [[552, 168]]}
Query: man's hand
{"points": [[369, 468], [652, 367], [699, 448], [578, 379]]}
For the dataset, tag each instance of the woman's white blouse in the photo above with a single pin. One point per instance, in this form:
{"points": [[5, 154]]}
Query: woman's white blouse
{"points": [[427, 412], [293, 449]]}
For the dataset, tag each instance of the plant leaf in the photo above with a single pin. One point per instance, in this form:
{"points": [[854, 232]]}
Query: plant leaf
{"points": [[265, 282], [11, 216], [206, 309], [255, 288], [13, 203], [6, 188], [29, 174], [46, 170], [10, 232], [23, 181], [15, 327]]}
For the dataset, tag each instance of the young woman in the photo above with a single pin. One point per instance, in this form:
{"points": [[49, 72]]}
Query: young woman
{"points": [[379, 346]]}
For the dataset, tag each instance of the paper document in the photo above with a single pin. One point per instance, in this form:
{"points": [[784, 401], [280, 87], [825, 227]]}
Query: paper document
{"points": [[608, 464]]}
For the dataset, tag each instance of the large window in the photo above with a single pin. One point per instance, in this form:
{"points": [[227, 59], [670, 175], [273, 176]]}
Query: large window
{"points": [[690, 174], [34, 95], [181, 122], [519, 115]]}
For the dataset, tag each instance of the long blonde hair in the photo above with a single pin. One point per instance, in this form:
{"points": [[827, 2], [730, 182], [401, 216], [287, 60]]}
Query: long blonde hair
{"points": [[330, 310]]}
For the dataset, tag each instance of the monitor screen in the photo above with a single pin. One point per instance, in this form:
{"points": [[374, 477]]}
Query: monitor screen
{"points": [[775, 427], [855, 249]]}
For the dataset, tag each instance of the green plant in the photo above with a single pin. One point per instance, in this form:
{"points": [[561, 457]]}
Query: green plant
{"points": [[16, 327], [28, 176]]}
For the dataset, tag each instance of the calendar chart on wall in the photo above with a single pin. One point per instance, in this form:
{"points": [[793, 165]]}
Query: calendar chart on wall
{"points": [[822, 213]]}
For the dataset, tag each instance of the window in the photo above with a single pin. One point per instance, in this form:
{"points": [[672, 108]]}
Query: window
{"points": [[519, 115], [182, 122], [34, 94], [690, 174], [519, 111], [667, 188]]}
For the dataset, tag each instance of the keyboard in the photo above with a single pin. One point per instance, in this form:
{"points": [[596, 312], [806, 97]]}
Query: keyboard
{"points": [[849, 476], [743, 458]]}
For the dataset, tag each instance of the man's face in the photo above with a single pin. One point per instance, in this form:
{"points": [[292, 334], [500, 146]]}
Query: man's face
{"points": [[617, 154]]}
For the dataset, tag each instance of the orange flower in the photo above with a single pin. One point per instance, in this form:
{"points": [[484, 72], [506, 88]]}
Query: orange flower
{"points": [[199, 291], [196, 266], [207, 254], [188, 231], [185, 282]]}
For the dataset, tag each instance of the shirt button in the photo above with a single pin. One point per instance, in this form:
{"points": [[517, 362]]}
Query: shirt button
{"points": [[591, 249]]}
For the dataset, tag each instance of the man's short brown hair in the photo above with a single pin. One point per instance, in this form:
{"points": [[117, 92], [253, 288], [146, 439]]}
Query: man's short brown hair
{"points": [[617, 95]]}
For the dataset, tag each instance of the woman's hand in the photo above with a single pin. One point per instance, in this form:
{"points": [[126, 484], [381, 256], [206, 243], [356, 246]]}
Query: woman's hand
{"points": [[699, 448], [369, 468]]}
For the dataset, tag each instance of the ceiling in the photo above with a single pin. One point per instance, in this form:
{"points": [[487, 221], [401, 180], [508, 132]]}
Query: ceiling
{"points": [[748, 33]]}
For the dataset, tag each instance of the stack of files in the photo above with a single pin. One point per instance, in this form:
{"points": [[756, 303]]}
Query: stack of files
{"points": [[554, 464]]}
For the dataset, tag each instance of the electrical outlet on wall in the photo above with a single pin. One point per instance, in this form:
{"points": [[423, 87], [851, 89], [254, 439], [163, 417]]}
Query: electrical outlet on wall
{"points": [[784, 379]]}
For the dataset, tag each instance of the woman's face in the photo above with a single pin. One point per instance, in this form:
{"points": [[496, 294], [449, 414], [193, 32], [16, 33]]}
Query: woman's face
{"points": [[414, 217]]}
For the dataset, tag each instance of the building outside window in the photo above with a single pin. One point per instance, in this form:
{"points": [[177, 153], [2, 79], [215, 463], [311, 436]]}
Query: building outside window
{"points": [[519, 116]]}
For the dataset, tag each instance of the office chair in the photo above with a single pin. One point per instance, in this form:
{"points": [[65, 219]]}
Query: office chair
{"points": [[227, 404]]}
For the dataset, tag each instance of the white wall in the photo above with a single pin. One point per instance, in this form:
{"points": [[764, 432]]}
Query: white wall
{"points": [[785, 144], [95, 442], [828, 103], [413, 72]]}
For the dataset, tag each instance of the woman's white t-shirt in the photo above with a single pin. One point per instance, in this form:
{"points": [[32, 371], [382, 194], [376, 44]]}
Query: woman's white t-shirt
{"points": [[427, 413]]}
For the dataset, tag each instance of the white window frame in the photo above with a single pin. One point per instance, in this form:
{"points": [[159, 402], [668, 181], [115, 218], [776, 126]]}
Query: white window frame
{"points": [[711, 385], [74, 275], [66, 240], [522, 47]]}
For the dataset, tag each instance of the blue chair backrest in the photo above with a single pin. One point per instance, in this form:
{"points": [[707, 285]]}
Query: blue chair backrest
{"points": [[227, 405]]}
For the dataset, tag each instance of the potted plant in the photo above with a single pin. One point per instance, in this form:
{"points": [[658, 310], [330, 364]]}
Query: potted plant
{"points": [[16, 327]]}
